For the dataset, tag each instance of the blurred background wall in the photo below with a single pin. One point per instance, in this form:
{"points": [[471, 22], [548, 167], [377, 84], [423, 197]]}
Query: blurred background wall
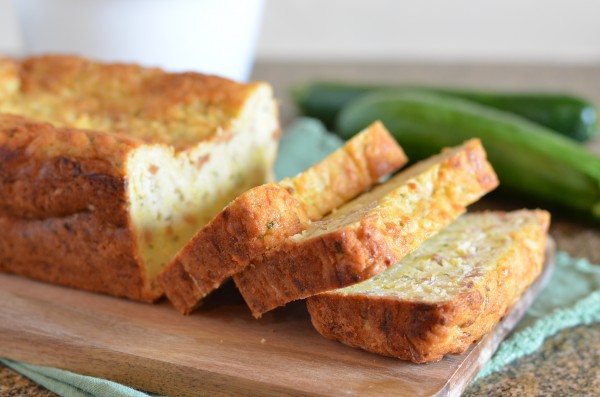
{"points": [[556, 31], [10, 38], [457, 30]]}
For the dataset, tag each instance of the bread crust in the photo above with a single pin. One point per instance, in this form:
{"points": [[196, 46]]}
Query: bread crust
{"points": [[359, 164], [63, 207], [63, 162], [263, 217], [54, 172], [257, 220], [299, 268], [128, 99], [94, 255], [424, 332]]}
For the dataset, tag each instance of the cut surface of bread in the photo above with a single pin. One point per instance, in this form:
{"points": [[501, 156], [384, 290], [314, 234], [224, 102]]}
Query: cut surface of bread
{"points": [[129, 161], [264, 216], [445, 295], [347, 172], [371, 232]]}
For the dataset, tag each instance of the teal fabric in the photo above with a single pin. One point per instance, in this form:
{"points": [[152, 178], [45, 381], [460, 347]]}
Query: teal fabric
{"points": [[69, 384], [305, 143], [571, 298]]}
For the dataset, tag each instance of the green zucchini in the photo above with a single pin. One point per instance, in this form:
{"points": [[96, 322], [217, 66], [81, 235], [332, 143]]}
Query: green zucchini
{"points": [[527, 157], [569, 115]]}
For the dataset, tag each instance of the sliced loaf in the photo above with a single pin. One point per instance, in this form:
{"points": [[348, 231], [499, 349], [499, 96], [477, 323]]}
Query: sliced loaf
{"points": [[445, 295], [370, 233], [264, 216], [115, 167]]}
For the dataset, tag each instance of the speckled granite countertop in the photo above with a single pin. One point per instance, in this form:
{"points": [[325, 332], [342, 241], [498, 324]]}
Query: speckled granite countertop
{"points": [[13, 384], [567, 364]]}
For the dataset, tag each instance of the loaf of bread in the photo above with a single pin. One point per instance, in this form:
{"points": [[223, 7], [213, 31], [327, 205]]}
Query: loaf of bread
{"points": [[371, 232], [264, 216], [445, 295], [113, 168]]}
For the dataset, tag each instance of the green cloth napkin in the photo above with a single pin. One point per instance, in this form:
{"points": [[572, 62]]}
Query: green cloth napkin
{"points": [[69, 384], [305, 143], [572, 297]]}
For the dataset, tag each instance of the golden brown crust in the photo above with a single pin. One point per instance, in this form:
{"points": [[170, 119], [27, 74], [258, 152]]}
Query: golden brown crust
{"points": [[334, 260], [360, 163], [424, 332], [257, 220], [265, 216], [180, 287], [174, 108], [63, 205], [52, 172], [9, 77], [350, 253], [77, 250]]}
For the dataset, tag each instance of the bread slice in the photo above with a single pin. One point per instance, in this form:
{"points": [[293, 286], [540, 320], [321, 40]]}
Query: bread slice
{"points": [[445, 295], [133, 163], [370, 233], [347, 172], [264, 216]]}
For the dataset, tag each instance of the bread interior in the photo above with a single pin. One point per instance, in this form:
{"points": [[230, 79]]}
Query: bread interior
{"points": [[452, 261], [172, 194]]}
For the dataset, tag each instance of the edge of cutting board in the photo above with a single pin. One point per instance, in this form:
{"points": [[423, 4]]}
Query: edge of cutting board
{"points": [[220, 350]]}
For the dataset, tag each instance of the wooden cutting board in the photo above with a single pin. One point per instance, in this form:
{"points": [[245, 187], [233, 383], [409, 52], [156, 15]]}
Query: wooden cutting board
{"points": [[221, 349]]}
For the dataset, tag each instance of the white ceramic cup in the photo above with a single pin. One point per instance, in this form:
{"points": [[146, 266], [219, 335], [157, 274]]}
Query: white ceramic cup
{"points": [[210, 36]]}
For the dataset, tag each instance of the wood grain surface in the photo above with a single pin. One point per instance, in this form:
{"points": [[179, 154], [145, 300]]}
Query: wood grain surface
{"points": [[221, 349]]}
